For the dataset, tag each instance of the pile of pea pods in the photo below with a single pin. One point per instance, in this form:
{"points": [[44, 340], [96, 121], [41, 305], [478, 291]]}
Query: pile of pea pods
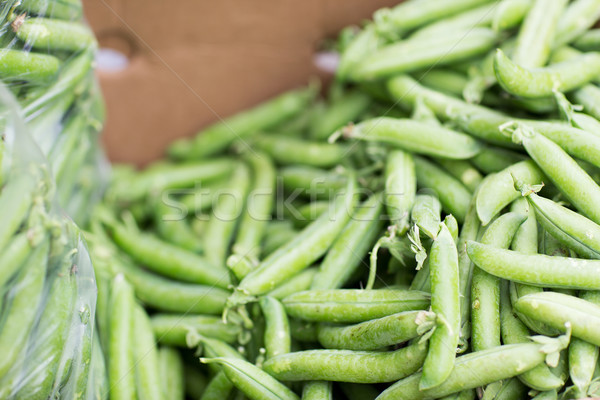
{"points": [[427, 229], [46, 61]]}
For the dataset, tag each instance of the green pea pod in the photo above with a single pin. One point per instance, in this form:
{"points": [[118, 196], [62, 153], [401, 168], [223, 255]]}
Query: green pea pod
{"points": [[476, 17], [277, 330], [16, 200], [498, 190], [426, 214], [509, 389], [537, 270], [311, 182], [171, 329], [479, 369], [13, 256], [447, 81], [462, 170], [18, 65], [195, 381], [69, 10], [224, 220], [510, 13], [415, 136], [514, 331], [451, 193], [556, 309], [353, 243], [577, 186], [175, 229], [364, 43], [352, 305], [302, 251], [167, 295], [219, 136], [317, 390], [218, 388], [532, 83], [288, 151], [409, 55], [588, 41], [121, 367], [445, 303], [339, 113], [377, 333], [50, 336], [400, 188], [347, 365], [50, 34], [578, 17], [171, 373], [298, 283], [251, 380], [485, 288], [535, 38]]}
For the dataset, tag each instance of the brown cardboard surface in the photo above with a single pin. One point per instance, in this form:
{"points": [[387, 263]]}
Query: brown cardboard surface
{"points": [[192, 62]]}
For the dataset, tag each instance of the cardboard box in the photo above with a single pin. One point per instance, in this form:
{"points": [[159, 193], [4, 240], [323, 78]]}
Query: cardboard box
{"points": [[191, 61]]}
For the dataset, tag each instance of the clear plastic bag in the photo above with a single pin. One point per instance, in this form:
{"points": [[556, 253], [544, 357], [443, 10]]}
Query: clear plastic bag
{"points": [[46, 60], [47, 286]]}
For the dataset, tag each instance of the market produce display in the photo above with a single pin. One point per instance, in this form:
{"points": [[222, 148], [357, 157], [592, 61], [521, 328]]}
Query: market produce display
{"points": [[428, 228]]}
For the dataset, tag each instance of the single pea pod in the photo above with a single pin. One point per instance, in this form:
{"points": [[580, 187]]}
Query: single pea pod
{"points": [[352, 305], [498, 190], [145, 353], [347, 365], [557, 309], [171, 370], [479, 369], [377, 333], [171, 329], [445, 303], [351, 246], [50, 34], [540, 82], [251, 380], [36, 68], [537, 270], [219, 136], [453, 195], [426, 214], [589, 97], [400, 188], [289, 151], [121, 366], [415, 136], [173, 296], [317, 390], [570, 228], [296, 255], [277, 327], [167, 259], [572, 180]]}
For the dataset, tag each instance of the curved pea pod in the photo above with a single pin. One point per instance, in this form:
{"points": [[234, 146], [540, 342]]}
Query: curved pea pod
{"points": [[415, 136], [171, 329], [556, 309], [481, 368], [17, 65], [410, 55], [537, 270], [350, 247], [572, 180], [518, 290], [145, 356], [353, 305], [167, 259], [426, 214], [277, 329], [400, 188], [570, 228], [287, 151], [347, 365], [251, 380], [219, 136], [50, 34], [340, 112], [294, 256], [498, 190], [532, 83], [168, 295], [377, 333], [317, 390], [451, 193]]}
